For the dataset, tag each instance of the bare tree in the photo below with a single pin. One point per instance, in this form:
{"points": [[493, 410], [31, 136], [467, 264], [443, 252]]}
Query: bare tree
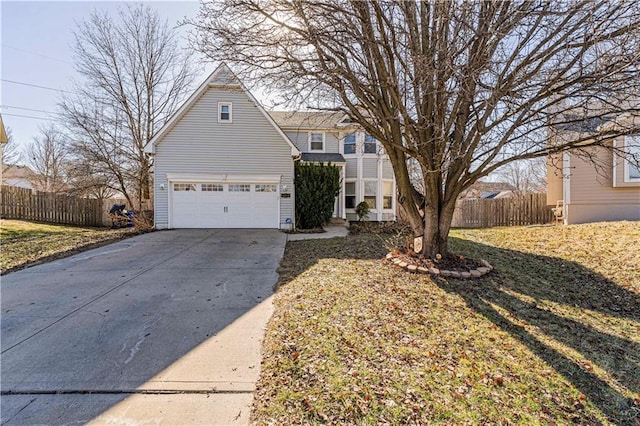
{"points": [[48, 156], [462, 87], [526, 176], [10, 151], [134, 78]]}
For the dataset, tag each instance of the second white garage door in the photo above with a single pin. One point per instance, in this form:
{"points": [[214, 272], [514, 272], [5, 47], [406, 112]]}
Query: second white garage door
{"points": [[224, 205]]}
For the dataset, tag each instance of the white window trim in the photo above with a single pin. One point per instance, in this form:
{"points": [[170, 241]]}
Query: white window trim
{"points": [[220, 105], [627, 164], [324, 141]]}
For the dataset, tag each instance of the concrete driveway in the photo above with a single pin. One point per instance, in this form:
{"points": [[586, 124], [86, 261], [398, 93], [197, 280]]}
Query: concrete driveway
{"points": [[162, 328]]}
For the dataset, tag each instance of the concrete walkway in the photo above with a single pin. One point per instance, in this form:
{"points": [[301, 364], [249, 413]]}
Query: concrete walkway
{"points": [[163, 328], [332, 232]]}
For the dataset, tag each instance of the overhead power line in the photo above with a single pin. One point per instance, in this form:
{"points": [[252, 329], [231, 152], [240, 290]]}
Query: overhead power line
{"points": [[35, 85], [29, 109], [35, 53], [30, 116]]}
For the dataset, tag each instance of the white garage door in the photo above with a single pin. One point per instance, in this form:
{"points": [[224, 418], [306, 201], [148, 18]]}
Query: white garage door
{"points": [[224, 205]]}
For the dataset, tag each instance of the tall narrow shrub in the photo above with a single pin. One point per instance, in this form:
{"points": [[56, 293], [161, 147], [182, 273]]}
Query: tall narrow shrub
{"points": [[317, 186]]}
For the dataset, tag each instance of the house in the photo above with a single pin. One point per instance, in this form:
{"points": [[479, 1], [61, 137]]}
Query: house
{"points": [[367, 174], [18, 175], [599, 186], [488, 190], [222, 161]]}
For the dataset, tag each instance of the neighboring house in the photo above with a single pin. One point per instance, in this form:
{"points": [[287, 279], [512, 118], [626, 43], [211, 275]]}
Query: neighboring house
{"points": [[366, 171], [482, 189], [605, 187], [17, 175], [222, 161]]}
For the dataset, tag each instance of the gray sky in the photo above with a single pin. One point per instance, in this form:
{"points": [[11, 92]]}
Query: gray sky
{"points": [[35, 50]]}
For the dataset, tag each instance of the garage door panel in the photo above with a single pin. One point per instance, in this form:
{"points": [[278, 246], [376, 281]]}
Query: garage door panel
{"points": [[230, 205]]}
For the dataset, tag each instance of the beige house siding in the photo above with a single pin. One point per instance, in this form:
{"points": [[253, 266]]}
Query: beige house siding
{"points": [[300, 139], [554, 179], [592, 196]]}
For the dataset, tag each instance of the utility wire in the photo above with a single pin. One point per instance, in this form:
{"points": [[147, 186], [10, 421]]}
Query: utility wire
{"points": [[35, 85], [35, 53], [30, 116], [29, 109]]}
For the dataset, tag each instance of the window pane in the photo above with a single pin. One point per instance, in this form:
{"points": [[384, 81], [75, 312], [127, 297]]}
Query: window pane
{"points": [[387, 188], [316, 141], [350, 188], [369, 144], [350, 201], [371, 201], [212, 187], [240, 188], [350, 143], [387, 202], [370, 188], [184, 187], [266, 188], [225, 112]]}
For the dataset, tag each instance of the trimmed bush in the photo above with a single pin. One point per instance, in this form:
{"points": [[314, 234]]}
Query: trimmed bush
{"points": [[317, 186]]}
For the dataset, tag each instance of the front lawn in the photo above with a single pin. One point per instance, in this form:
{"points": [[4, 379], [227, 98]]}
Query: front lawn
{"points": [[551, 337], [26, 243]]}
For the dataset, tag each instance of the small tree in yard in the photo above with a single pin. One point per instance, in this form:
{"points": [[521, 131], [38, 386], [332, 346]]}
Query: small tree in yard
{"points": [[317, 186], [459, 88], [362, 210]]}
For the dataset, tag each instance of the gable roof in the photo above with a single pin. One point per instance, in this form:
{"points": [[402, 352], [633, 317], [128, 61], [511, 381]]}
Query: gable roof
{"points": [[222, 76], [307, 119]]}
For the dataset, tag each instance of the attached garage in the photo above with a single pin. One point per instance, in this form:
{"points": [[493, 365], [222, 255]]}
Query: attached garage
{"points": [[236, 203]]}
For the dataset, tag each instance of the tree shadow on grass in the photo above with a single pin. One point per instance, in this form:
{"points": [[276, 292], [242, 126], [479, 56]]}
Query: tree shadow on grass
{"points": [[571, 317]]}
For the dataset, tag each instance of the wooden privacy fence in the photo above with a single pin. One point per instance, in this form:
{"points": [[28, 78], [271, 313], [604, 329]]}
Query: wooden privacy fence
{"points": [[25, 204], [528, 209]]}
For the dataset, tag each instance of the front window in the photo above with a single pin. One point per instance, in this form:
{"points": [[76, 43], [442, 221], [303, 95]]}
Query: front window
{"points": [[370, 193], [316, 141], [350, 143], [224, 112], [387, 195], [350, 195], [369, 144], [632, 164]]}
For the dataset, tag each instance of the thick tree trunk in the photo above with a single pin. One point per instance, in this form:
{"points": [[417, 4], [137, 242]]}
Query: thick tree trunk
{"points": [[437, 223]]}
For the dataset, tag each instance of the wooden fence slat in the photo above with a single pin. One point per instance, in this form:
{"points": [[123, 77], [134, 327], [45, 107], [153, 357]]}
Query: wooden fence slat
{"points": [[529, 209], [25, 204]]}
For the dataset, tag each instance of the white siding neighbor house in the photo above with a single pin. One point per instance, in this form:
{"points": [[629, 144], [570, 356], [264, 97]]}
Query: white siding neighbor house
{"points": [[222, 161]]}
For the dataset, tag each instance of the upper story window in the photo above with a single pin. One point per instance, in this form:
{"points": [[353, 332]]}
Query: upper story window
{"points": [[316, 141], [370, 144], [349, 144], [631, 167], [224, 112]]}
